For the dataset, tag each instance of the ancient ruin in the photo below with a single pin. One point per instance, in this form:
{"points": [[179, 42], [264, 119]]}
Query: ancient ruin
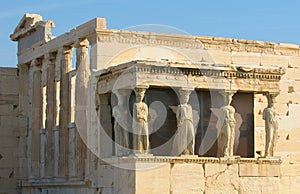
{"points": [[97, 110]]}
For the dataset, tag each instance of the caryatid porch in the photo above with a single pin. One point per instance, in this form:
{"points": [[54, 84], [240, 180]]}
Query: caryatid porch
{"points": [[166, 87]]}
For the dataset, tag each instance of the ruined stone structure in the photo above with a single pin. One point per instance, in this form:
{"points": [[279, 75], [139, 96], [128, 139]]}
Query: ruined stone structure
{"points": [[108, 111]]}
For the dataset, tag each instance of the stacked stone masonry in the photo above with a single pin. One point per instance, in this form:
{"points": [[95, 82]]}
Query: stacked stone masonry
{"points": [[55, 90]]}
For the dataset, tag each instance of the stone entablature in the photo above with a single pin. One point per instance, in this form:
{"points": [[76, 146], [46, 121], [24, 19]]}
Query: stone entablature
{"points": [[193, 75]]}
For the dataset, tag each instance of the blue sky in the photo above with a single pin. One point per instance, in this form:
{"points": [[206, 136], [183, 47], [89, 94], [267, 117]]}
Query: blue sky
{"points": [[275, 21]]}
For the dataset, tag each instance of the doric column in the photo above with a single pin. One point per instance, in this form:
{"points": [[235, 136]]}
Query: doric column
{"points": [[64, 115], [121, 124], [271, 124], [141, 144], [81, 103], [185, 126], [35, 118], [50, 112], [228, 123]]}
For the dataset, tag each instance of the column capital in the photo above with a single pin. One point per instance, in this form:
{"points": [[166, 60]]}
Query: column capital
{"points": [[271, 94], [65, 50], [140, 88], [51, 56], [37, 62], [185, 90], [271, 98], [82, 43]]}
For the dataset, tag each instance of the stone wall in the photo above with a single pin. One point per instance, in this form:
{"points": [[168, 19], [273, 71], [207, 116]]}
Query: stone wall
{"points": [[10, 129], [191, 175]]}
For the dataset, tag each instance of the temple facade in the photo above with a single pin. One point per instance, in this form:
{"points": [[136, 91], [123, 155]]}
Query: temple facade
{"points": [[97, 110]]}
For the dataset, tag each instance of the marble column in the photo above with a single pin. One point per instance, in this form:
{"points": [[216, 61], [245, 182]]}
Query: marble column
{"points": [[121, 124], [56, 116], [81, 103], [72, 148], [50, 112], [185, 138], [228, 123], [35, 118], [271, 124], [64, 115], [141, 144]]}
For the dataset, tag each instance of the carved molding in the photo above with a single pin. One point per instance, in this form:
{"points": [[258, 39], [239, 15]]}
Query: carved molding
{"points": [[192, 160], [209, 76]]}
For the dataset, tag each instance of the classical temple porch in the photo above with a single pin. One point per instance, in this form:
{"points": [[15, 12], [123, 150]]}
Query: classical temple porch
{"points": [[209, 82]]}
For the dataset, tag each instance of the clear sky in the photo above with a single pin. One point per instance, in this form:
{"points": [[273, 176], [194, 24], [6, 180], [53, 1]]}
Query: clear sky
{"points": [[266, 20]]}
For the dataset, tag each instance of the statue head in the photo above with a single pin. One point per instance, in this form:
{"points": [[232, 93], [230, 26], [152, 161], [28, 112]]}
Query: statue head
{"points": [[228, 98], [227, 95], [184, 95], [271, 99], [140, 94]]}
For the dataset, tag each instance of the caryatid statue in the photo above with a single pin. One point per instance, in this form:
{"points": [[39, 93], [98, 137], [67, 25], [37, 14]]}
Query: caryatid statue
{"points": [[271, 125], [140, 123], [121, 125], [185, 126], [227, 132]]}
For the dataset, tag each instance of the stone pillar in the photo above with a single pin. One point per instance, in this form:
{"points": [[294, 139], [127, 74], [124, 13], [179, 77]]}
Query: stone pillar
{"points": [[43, 152], [56, 151], [81, 103], [36, 119], [185, 135], [57, 112], [141, 144], [64, 115], [122, 123], [271, 124], [50, 112], [227, 130], [44, 116], [72, 147]]}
